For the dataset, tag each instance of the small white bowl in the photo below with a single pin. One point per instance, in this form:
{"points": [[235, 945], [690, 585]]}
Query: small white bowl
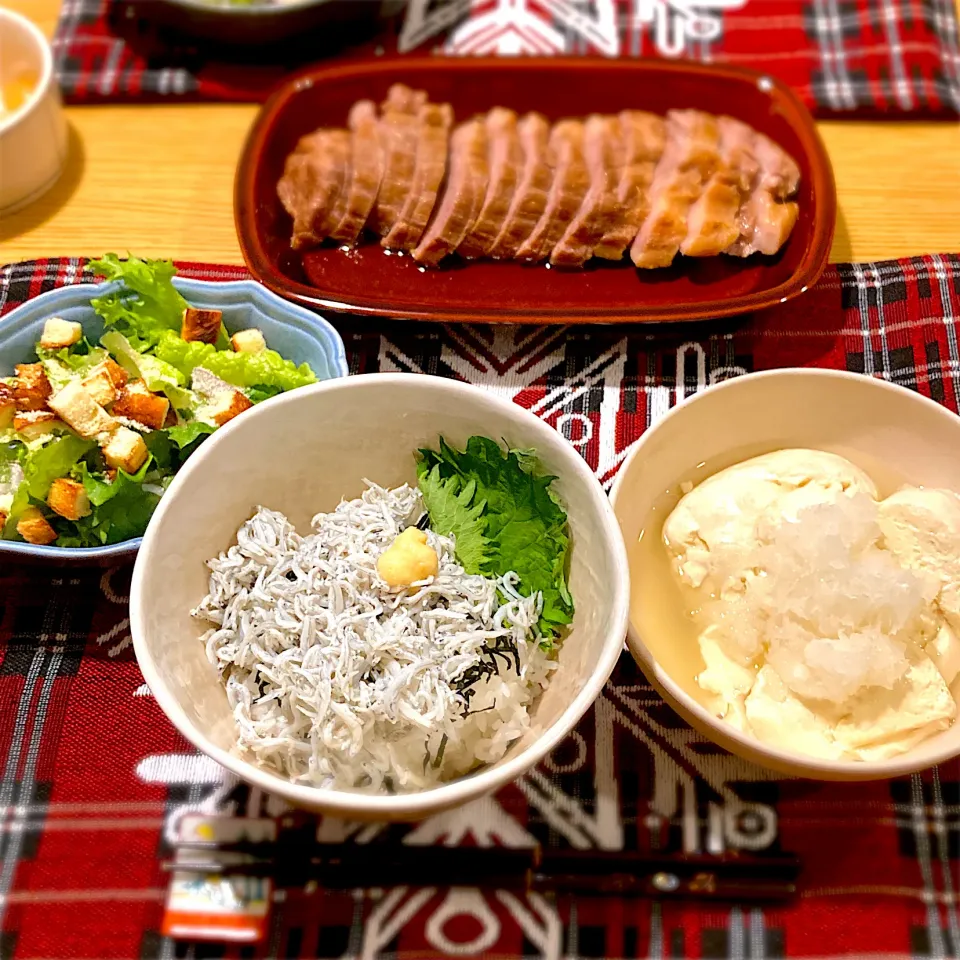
{"points": [[33, 138], [896, 435], [301, 453]]}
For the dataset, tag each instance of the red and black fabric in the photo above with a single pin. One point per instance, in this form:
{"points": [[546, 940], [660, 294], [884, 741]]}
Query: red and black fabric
{"points": [[94, 779], [897, 58]]}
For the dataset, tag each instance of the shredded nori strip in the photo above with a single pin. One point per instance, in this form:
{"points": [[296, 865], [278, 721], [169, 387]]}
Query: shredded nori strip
{"points": [[438, 759], [473, 713], [487, 666]]}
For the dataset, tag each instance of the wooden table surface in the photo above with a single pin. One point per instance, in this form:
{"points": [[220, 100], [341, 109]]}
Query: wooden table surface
{"points": [[157, 180]]}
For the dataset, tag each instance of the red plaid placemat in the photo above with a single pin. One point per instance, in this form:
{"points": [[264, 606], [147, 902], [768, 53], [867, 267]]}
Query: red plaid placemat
{"points": [[868, 57], [94, 779]]}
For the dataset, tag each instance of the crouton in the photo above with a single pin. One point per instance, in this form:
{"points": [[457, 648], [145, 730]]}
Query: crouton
{"points": [[58, 334], [99, 384], [81, 411], [33, 527], [125, 450], [36, 423], [136, 402], [202, 325], [248, 341], [8, 405], [117, 374], [31, 389], [111, 474], [225, 406], [68, 498]]}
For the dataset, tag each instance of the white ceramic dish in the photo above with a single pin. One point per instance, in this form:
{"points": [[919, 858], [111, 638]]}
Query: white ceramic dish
{"points": [[33, 138], [300, 454], [895, 434]]}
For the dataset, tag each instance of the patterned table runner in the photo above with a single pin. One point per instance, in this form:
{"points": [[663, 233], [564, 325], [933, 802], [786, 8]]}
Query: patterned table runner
{"points": [[95, 780], [844, 57]]}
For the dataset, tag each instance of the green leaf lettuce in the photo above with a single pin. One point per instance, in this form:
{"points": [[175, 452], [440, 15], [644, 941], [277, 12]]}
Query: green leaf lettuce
{"points": [[146, 304], [159, 377], [121, 508], [266, 369]]}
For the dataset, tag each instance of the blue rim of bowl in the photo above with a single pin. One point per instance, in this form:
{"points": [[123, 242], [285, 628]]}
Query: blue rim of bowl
{"points": [[258, 294]]}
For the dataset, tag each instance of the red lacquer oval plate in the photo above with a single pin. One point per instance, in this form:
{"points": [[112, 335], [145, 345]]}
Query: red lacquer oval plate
{"points": [[370, 282]]}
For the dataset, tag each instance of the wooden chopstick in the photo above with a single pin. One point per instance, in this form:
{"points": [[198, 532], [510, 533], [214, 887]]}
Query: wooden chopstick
{"points": [[727, 877]]}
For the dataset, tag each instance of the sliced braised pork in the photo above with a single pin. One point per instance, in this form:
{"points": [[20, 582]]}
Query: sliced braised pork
{"points": [[505, 157], [340, 141], [505, 188], [366, 168], [689, 160], [298, 184], [768, 215], [462, 195], [599, 212], [434, 122], [399, 138], [530, 194], [642, 137], [570, 184], [713, 224], [312, 182]]}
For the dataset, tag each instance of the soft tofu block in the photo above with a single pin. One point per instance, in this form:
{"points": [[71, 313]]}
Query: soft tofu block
{"points": [[726, 508], [885, 723], [921, 528], [944, 651], [782, 720], [724, 680]]}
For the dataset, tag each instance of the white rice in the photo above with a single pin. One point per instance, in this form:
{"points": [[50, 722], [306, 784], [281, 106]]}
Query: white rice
{"points": [[338, 680]]}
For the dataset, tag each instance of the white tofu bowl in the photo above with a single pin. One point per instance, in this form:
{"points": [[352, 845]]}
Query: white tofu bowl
{"points": [[301, 454], [896, 435]]}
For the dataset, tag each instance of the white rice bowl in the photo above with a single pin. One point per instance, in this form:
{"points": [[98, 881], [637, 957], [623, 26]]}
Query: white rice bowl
{"points": [[303, 452], [339, 680]]}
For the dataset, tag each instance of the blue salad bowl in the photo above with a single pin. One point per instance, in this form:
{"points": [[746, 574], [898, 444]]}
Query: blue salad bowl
{"points": [[294, 332]]}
